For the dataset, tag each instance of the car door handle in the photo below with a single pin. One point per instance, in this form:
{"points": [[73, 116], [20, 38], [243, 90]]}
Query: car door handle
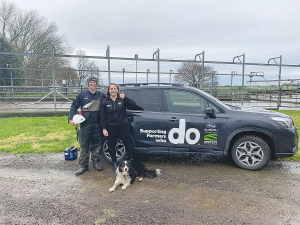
{"points": [[173, 119]]}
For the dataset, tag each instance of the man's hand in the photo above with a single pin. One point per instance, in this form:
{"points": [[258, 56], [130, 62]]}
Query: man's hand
{"points": [[105, 133], [72, 123], [122, 95]]}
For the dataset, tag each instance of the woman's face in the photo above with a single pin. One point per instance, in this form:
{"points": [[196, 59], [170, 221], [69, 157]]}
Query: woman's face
{"points": [[113, 90]]}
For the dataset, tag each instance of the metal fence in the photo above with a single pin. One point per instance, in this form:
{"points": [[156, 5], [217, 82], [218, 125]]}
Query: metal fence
{"points": [[53, 93]]}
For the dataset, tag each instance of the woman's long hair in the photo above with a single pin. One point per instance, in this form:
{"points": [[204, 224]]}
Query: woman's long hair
{"points": [[107, 93]]}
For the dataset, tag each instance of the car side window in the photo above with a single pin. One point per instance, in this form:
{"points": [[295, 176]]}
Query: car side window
{"points": [[147, 100], [180, 101]]}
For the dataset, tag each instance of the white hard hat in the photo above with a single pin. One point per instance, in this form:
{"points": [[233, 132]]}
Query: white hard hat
{"points": [[78, 118]]}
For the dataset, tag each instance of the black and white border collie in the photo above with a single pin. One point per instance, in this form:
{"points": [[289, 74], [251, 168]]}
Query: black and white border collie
{"points": [[127, 171]]}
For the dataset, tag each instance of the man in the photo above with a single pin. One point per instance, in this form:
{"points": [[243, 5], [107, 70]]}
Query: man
{"points": [[90, 130]]}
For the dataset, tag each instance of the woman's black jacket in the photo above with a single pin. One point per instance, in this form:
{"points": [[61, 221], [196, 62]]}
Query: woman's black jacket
{"points": [[113, 113]]}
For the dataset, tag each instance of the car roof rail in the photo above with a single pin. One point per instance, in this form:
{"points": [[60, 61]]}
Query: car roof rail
{"points": [[149, 84]]}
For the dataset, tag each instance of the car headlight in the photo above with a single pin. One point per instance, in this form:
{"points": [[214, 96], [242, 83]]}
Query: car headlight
{"points": [[286, 122]]}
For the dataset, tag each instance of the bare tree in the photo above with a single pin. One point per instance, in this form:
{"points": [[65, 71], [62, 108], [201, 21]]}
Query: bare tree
{"points": [[86, 68], [30, 32], [68, 74], [7, 12], [191, 74]]}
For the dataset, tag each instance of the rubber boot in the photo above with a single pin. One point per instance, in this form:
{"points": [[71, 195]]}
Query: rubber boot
{"points": [[97, 166], [81, 170]]}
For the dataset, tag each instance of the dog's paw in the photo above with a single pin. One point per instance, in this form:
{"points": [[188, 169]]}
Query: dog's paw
{"points": [[111, 189], [140, 179], [124, 187]]}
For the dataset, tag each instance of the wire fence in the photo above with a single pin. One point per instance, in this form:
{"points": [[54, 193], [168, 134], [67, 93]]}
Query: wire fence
{"points": [[53, 88]]}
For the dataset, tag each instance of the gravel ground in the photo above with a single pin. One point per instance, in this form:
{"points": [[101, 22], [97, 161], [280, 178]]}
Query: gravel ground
{"points": [[42, 189]]}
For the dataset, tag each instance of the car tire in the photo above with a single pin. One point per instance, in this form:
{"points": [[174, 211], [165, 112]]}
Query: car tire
{"points": [[250, 152], [120, 150]]}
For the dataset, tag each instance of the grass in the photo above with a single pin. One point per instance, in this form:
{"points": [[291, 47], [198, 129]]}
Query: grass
{"points": [[296, 117], [36, 134], [54, 134]]}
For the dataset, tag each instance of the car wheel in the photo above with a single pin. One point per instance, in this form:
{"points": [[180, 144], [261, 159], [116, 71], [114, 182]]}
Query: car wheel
{"points": [[250, 152], [120, 151]]}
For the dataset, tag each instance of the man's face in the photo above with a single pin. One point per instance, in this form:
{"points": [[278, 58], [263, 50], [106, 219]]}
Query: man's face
{"points": [[92, 85]]}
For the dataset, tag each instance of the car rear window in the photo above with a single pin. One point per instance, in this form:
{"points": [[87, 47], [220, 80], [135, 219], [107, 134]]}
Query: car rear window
{"points": [[148, 100]]}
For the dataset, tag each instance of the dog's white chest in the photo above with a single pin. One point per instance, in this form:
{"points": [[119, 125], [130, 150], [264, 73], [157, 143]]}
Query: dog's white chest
{"points": [[124, 178]]}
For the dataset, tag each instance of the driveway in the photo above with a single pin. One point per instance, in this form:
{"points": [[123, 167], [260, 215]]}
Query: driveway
{"points": [[42, 189]]}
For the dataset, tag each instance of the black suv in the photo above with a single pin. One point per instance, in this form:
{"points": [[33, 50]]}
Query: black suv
{"points": [[177, 120]]}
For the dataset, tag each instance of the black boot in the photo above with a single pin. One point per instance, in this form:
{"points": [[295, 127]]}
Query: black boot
{"points": [[81, 170], [97, 166], [115, 166]]}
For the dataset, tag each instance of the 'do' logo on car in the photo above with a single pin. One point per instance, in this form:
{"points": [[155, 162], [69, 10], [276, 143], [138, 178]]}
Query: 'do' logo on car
{"points": [[183, 134]]}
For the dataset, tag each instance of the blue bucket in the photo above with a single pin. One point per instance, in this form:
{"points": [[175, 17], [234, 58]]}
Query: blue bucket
{"points": [[70, 153]]}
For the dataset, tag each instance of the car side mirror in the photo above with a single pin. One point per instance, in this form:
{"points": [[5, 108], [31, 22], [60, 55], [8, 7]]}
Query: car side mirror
{"points": [[210, 112]]}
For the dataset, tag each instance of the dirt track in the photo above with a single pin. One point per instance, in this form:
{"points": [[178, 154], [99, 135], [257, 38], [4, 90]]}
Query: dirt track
{"points": [[42, 189]]}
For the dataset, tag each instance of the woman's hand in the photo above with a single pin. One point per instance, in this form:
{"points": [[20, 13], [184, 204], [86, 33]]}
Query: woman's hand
{"points": [[122, 95], [105, 133]]}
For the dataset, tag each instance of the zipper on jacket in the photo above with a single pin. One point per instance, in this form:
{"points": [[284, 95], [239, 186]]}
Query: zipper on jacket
{"points": [[115, 110]]}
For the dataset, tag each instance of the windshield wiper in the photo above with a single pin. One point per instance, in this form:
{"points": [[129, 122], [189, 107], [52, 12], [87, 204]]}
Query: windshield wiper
{"points": [[233, 106]]}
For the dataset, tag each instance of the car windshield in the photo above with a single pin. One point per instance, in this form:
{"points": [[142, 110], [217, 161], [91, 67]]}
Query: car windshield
{"points": [[212, 97]]}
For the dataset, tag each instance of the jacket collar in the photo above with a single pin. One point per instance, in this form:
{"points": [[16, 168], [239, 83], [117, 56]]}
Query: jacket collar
{"points": [[117, 99]]}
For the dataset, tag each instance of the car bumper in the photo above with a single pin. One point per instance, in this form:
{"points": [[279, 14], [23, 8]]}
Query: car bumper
{"points": [[287, 145]]}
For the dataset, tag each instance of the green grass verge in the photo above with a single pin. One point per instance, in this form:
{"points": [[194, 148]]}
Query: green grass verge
{"points": [[296, 117], [36, 134], [54, 134]]}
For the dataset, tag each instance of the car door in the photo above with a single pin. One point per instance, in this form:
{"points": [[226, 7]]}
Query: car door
{"points": [[189, 129], [148, 125]]}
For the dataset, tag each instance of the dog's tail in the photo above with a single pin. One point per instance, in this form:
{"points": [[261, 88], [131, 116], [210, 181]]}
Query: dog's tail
{"points": [[153, 173]]}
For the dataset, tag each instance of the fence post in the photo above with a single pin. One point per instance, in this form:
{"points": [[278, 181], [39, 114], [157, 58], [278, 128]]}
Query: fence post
{"points": [[279, 85], [170, 78], [11, 79], [41, 68], [123, 75], [53, 75], [279, 78], [202, 82], [158, 75], [243, 73], [157, 57], [231, 86], [243, 79], [108, 62], [136, 56], [148, 71]]}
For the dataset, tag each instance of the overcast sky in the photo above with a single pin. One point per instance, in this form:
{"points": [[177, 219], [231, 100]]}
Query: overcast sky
{"points": [[262, 29]]}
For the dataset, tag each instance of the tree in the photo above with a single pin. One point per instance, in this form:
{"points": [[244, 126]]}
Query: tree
{"points": [[191, 74], [86, 68], [30, 32], [68, 73], [10, 61]]}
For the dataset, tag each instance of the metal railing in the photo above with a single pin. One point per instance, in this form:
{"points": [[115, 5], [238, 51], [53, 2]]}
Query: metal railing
{"points": [[54, 91]]}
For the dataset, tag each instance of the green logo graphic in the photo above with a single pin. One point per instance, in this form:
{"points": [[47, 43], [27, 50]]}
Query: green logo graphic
{"points": [[211, 137]]}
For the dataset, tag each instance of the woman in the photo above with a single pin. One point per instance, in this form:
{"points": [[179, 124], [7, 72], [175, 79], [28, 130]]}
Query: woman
{"points": [[114, 121]]}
